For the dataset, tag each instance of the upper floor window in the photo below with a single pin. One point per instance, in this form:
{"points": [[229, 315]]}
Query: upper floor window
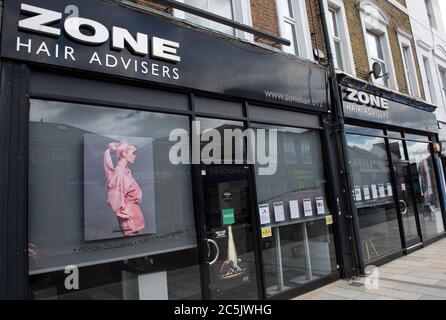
{"points": [[443, 80], [293, 25], [339, 36], [288, 24], [237, 10], [376, 54], [375, 23], [336, 37], [431, 13], [429, 80], [405, 42], [407, 62]]}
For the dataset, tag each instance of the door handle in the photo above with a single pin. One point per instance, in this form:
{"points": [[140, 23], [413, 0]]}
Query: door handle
{"points": [[209, 250], [405, 206]]}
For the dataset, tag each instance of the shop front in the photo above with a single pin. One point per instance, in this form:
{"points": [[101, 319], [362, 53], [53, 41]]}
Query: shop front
{"points": [[150, 160], [395, 171]]}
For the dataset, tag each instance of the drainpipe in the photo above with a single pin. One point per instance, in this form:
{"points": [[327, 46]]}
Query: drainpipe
{"points": [[342, 147]]}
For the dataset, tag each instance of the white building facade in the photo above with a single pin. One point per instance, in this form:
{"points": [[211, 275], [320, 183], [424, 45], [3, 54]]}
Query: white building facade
{"points": [[430, 39]]}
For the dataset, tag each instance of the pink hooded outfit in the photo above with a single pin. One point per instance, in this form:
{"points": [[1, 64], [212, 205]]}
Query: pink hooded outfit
{"points": [[124, 195]]}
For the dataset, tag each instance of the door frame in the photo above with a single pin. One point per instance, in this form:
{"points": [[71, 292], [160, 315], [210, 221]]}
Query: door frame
{"points": [[406, 244], [202, 243]]}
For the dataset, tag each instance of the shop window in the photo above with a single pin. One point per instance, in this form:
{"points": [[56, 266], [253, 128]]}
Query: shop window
{"points": [[373, 195], [425, 186], [237, 10], [115, 208], [293, 25], [301, 246]]}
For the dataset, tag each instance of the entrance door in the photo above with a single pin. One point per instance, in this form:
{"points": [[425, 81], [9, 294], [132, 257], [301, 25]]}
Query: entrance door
{"points": [[230, 253], [406, 204]]}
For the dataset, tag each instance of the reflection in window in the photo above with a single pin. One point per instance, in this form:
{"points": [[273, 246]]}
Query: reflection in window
{"points": [[374, 199], [301, 247], [426, 192], [72, 223]]}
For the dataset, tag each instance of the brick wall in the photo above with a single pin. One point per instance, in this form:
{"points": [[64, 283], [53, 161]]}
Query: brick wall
{"points": [[264, 17], [152, 5], [315, 24], [396, 19]]}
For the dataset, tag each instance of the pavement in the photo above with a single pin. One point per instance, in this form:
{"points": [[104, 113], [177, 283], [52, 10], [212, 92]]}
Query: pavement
{"points": [[421, 275]]}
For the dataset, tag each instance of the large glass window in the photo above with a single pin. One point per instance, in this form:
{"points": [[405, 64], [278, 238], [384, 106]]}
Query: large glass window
{"points": [[293, 205], [373, 193], [104, 197], [426, 192]]}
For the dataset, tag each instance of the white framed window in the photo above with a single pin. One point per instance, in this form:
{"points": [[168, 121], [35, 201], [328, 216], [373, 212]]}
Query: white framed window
{"points": [[293, 26], [432, 98], [340, 36], [374, 23], [442, 72], [431, 14], [376, 54], [333, 16], [405, 42], [237, 10]]}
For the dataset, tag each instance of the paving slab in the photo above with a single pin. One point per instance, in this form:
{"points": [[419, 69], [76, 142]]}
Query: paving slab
{"points": [[421, 275]]}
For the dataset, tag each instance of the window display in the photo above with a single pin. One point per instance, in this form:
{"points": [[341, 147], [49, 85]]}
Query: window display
{"points": [[426, 192], [111, 213], [377, 214], [301, 246]]}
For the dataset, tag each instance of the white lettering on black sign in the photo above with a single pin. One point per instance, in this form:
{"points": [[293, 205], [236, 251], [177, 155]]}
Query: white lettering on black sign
{"points": [[365, 98]]}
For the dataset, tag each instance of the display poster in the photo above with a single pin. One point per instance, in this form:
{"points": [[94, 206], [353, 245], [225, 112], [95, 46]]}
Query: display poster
{"points": [[358, 196], [308, 210], [366, 190], [381, 190], [294, 209], [320, 206], [279, 212], [403, 187], [264, 214], [123, 203], [374, 191], [389, 189]]}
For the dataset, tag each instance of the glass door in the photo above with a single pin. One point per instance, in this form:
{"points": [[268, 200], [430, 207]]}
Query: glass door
{"points": [[407, 209], [403, 186], [230, 253]]}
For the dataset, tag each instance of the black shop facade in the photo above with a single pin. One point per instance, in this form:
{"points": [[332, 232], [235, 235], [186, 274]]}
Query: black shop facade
{"points": [[394, 171], [128, 172]]}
